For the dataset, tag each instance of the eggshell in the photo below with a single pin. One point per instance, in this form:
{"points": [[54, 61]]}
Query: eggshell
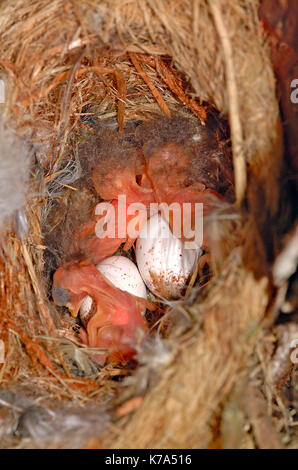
{"points": [[86, 310], [163, 261], [121, 272], [124, 274]]}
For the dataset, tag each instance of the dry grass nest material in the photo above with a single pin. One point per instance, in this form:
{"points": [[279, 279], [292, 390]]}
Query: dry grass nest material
{"points": [[66, 65]]}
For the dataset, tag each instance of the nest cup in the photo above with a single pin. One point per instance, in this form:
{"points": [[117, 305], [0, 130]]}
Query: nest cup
{"points": [[67, 64]]}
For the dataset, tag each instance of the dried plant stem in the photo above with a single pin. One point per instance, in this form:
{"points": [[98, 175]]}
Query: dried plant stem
{"points": [[121, 87], [234, 112], [59, 79], [45, 314], [160, 101], [176, 88], [265, 433]]}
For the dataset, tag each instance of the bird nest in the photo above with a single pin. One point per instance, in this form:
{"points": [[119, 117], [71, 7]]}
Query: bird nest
{"points": [[72, 68]]}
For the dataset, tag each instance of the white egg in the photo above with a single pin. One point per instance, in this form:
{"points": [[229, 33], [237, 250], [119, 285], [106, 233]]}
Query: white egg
{"points": [[163, 260], [122, 273]]}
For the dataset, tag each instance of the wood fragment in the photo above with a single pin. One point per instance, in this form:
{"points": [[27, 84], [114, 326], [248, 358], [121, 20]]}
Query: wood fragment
{"points": [[176, 88], [129, 406], [264, 432], [37, 355], [160, 101], [121, 88], [34, 350], [93, 443], [39, 94], [151, 49], [280, 366], [65, 49]]}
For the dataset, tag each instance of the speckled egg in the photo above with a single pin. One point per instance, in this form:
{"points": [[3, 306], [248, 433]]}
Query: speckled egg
{"points": [[121, 272], [124, 274], [164, 262]]}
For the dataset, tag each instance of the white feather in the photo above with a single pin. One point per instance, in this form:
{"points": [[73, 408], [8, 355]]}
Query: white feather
{"points": [[15, 159]]}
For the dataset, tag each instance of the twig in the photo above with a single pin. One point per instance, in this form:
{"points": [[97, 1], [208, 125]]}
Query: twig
{"points": [[234, 114]]}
